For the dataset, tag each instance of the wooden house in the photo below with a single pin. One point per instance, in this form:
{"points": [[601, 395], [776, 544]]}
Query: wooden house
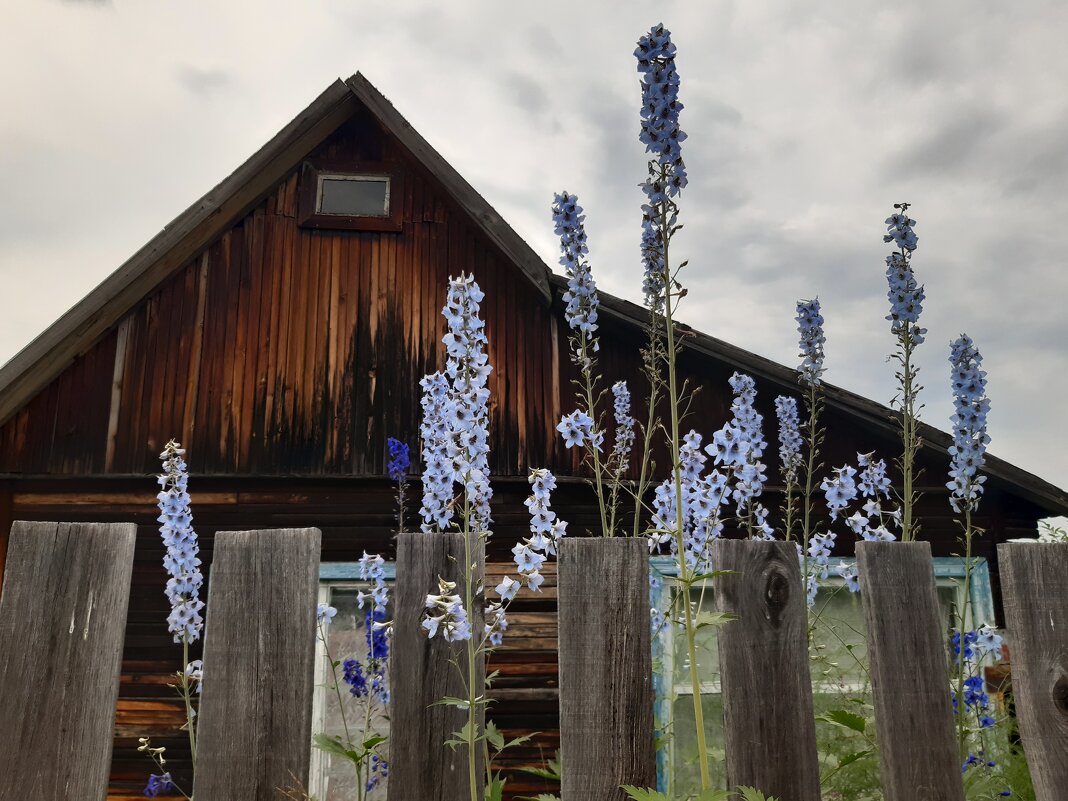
{"points": [[279, 327]]}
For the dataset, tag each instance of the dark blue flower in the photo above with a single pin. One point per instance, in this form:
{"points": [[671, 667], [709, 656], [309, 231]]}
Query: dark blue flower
{"points": [[352, 675], [158, 784], [399, 460]]}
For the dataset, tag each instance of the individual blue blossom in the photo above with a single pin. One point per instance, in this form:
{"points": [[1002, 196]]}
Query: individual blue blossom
{"points": [[840, 489], [577, 429], [850, 576], [324, 614], [181, 559], [970, 439], [581, 295], [194, 675], [988, 641], [812, 340], [158, 784], [446, 614], [789, 438], [399, 460], [624, 427]]}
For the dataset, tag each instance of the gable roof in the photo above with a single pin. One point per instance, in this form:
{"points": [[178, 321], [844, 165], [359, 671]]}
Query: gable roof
{"points": [[32, 368]]}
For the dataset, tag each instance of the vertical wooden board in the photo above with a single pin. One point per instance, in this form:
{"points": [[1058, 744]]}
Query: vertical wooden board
{"points": [[1034, 580], [62, 614], [6, 504], [422, 767], [909, 672], [259, 649], [606, 688], [763, 660]]}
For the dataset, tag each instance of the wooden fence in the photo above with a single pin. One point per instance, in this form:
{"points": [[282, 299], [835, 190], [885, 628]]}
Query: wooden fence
{"points": [[66, 591]]}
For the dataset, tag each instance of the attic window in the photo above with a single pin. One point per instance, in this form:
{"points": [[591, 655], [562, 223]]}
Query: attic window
{"points": [[351, 196]]}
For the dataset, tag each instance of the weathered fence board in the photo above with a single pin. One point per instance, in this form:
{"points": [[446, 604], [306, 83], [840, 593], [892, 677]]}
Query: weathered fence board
{"points": [[62, 615], [909, 672], [422, 767], [259, 650], [1034, 577], [763, 662], [606, 690]]}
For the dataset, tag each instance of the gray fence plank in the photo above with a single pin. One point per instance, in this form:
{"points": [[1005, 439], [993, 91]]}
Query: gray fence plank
{"points": [[907, 648], [422, 767], [763, 662], [254, 734], [62, 618], [606, 690], [1034, 578]]}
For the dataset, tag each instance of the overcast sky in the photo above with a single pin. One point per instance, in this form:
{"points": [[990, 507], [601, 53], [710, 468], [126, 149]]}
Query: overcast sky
{"points": [[806, 122]]}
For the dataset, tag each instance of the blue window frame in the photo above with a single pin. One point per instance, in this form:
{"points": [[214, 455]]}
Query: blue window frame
{"points": [[671, 680]]}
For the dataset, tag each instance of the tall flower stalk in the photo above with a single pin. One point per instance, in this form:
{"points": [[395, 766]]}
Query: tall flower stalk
{"points": [[811, 340], [584, 427], [906, 303], [663, 137], [967, 454], [185, 581], [456, 497]]}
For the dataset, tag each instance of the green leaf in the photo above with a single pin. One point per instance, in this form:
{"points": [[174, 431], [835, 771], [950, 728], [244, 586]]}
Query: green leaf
{"points": [[845, 719], [856, 756], [494, 736], [372, 741], [713, 619], [753, 794], [448, 700], [494, 790], [639, 794], [331, 745], [521, 740]]}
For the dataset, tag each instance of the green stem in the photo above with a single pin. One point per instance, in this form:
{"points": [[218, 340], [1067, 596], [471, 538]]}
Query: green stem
{"points": [[337, 692], [812, 435], [647, 438], [472, 647], [684, 571], [190, 723], [962, 728], [908, 423], [594, 451]]}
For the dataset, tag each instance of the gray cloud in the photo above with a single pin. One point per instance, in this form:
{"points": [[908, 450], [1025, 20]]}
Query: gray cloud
{"points": [[202, 81], [806, 122]]}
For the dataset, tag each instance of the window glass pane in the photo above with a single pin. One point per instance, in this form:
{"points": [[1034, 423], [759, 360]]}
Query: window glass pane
{"points": [[355, 196], [839, 669], [334, 778]]}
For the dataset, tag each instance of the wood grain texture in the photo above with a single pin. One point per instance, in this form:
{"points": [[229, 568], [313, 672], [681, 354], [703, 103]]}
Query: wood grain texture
{"points": [[606, 689], [1034, 578], [909, 672], [259, 650], [763, 660], [421, 767], [62, 615]]}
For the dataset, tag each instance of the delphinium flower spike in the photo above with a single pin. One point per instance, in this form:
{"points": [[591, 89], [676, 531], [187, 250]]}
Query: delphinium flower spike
{"points": [[967, 454], [811, 340], [790, 460], [906, 297], [397, 469], [583, 427]]}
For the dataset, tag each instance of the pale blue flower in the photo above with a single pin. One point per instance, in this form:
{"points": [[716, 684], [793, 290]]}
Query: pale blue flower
{"points": [[812, 340], [970, 439], [181, 558]]}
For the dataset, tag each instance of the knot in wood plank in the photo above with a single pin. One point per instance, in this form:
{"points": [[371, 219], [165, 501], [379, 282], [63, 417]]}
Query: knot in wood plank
{"points": [[776, 592], [1060, 694]]}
